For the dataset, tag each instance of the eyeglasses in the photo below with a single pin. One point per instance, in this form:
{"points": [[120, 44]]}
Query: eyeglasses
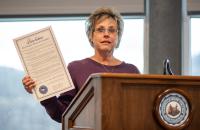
{"points": [[103, 30]]}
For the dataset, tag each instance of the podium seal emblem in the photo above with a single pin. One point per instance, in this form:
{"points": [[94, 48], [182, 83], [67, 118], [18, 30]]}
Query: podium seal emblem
{"points": [[43, 89], [173, 109]]}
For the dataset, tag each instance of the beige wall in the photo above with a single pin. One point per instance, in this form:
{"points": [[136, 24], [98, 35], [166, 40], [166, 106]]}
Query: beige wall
{"points": [[28, 7], [193, 5]]}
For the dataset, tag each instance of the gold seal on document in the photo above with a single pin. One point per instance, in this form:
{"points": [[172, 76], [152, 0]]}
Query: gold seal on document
{"points": [[43, 89]]}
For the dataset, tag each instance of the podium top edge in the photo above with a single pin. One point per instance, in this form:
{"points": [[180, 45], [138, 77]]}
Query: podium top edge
{"points": [[143, 76]]}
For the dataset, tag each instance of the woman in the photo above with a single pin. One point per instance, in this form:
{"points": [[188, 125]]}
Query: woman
{"points": [[104, 30]]}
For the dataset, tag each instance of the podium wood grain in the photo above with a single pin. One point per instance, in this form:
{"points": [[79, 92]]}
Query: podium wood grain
{"points": [[126, 102]]}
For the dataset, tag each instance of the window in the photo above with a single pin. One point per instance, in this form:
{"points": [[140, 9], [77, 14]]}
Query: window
{"points": [[195, 46], [19, 109]]}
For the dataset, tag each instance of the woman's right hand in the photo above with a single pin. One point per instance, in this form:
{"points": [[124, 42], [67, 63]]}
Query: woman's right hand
{"points": [[28, 83]]}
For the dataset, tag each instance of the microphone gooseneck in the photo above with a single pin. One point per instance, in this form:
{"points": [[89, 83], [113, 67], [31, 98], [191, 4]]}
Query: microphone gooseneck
{"points": [[167, 67]]}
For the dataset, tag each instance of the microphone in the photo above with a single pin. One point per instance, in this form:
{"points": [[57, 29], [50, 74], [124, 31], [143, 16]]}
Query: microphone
{"points": [[167, 68]]}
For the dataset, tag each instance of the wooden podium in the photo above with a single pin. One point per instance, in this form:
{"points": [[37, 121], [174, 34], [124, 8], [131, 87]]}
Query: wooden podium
{"points": [[135, 102]]}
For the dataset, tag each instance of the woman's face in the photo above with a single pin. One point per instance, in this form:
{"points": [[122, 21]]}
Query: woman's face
{"points": [[105, 35]]}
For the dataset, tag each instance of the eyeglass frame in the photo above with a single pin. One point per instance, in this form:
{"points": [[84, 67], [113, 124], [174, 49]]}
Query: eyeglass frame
{"points": [[103, 30]]}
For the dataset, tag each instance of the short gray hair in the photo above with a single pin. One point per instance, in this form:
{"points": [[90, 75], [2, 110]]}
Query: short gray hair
{"points": [[107, 13]]}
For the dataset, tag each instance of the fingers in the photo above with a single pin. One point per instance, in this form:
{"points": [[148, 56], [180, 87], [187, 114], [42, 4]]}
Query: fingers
{"points": [[28, 83]]}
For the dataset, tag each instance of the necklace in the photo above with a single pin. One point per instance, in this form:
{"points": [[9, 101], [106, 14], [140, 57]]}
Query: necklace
{"points": [[109, 69]]}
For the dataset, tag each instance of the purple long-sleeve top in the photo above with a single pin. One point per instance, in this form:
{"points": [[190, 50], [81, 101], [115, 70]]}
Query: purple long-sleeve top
{"points": [[80, 71]]}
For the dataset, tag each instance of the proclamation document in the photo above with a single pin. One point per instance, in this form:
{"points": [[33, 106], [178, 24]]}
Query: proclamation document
{"points": [[42, 60]]}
